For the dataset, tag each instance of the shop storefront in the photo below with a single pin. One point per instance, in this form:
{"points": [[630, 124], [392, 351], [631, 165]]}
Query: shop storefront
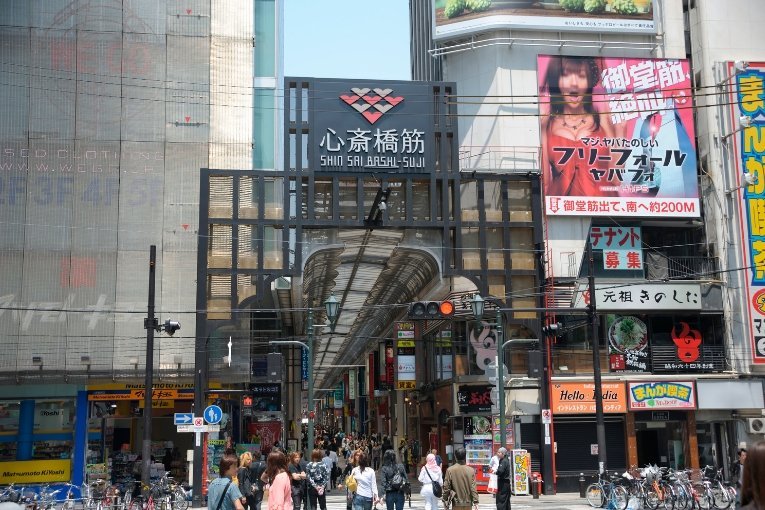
{"points": [[576, 444], [38, 431], [115, 431]]}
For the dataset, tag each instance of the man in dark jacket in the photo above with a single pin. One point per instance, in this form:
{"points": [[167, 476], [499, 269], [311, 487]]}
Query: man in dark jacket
{"points": [[504, 483]]}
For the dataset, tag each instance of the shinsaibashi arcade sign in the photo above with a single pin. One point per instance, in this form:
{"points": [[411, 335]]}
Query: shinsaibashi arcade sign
{"points": [[369, 126]]}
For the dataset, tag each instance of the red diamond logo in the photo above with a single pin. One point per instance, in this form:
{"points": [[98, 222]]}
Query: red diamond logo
{"points": [[371, 106]]}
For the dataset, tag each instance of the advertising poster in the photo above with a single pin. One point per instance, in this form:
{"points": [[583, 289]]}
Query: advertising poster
{"points": [[747, 101], [264, 434], [628, 348], [406, 364], [455, 18], [520, 461], [617, 137]]}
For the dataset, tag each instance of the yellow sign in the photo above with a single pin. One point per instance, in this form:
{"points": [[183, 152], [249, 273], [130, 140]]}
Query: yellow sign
{"points": [[406, 343], [158, 404], [406, 385], [35, 471], [157, 394], [156, 386]]}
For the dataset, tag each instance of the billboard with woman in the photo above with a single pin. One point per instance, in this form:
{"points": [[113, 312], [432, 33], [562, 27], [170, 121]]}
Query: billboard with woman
{"points": [[617, 137]]}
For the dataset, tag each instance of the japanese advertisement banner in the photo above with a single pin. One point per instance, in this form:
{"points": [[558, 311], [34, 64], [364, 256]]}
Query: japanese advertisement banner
{"points": [[371, 126], [457, 18], [474, 399], [747, 100], [641, 296], [617, 137], [648, 396], [406, 372], [622, 247], [579, 398]]}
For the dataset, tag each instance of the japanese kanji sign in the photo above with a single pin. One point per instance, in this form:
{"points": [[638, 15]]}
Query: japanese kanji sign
{"points": [[661, 395], [641, 296], [621, 247], [406, 373], [747, 99], [371, 127], [617, 137], [474, 399]]}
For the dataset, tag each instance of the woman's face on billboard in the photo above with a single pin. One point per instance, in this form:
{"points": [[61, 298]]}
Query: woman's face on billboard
{"points": [[574, 85]]}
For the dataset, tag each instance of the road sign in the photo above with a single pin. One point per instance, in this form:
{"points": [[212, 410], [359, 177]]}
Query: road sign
{"points": [[198, 421], [201, 428], [546, 416], [183, 418], [213, 414]]}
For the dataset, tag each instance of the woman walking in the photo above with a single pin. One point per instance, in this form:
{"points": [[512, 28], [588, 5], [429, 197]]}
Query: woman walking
{"points": [[280, 491], [430, 473], [318, 480], [394, 496], [366, 491]]}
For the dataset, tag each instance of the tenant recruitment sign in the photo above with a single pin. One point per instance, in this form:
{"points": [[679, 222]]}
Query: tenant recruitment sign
{"points": [[617, 137], [371, 126]]}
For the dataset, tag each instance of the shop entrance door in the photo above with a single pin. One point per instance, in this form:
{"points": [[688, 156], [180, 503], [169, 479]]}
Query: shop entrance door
{"points": [[648, 442]]}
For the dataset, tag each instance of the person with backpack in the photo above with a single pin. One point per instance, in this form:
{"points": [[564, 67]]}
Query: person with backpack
{"points": [[432, 482], [222, 493], [317, 477], [257, 468], [394, 480]]}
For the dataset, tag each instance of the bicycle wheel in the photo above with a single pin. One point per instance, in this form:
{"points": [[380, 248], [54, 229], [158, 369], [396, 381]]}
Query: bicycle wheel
{"points": [[595, 496], [137, 503], [179, 500], [705, 499], [721, 497], [652, 499], [682, 497], [620, 497]]}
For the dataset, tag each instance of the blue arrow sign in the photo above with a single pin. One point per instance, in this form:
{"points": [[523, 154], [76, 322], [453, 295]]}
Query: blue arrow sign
{"points": [[183, 418], [213, 414]]}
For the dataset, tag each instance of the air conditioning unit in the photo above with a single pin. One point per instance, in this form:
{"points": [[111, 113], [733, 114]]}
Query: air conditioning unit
{"points": [[755, 425]]}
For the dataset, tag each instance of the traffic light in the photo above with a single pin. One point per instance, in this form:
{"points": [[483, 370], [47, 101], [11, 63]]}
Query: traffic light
{"points": [[553, 329], [430, 310]]}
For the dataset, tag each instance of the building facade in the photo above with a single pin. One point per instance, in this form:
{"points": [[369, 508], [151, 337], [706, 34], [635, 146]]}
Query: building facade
{"points": [[520, 71], [110, 110]]}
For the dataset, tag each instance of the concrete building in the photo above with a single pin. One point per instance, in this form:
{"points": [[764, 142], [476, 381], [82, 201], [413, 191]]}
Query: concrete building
{"points": [[493, 56], [110, 110]]}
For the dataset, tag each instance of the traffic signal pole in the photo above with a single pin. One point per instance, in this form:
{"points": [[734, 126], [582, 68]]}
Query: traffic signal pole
{"points": [[600, 425]]}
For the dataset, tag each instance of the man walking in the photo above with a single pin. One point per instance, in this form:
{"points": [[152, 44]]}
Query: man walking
{"points": [[460, 479], [503, 480]]}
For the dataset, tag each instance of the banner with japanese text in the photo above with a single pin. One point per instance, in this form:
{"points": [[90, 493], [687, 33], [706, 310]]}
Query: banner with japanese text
{"points": [[748, 100], [617, 137]]}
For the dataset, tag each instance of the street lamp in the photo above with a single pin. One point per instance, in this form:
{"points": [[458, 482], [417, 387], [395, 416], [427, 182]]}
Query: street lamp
{"points": [[331, 306], [477, 306]]}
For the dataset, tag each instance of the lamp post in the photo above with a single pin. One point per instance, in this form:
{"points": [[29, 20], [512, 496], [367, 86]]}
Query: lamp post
{"points": [[331, 306], [477, 306]]}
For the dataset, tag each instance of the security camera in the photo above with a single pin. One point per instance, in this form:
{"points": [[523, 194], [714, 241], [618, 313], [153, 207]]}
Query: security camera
{"points": [[170, 327]]}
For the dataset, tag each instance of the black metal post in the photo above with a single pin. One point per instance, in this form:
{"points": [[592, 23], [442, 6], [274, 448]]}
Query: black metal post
{"points": [[600, 425], [148, 381]]}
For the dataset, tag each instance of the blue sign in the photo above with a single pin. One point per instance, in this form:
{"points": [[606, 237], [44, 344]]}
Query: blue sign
{"points": [[183, 418], [213, 414]]}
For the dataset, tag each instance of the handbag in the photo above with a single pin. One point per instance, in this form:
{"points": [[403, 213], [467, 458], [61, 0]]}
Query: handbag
{"points": [[351, 483], [222, 496], [437, 489]]}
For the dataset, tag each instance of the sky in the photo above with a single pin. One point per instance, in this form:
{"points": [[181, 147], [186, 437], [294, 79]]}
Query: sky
{"points": [[347, 39]]}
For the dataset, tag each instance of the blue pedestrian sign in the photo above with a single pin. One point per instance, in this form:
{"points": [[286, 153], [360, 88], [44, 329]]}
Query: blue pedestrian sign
{"points": [[213, 414], [183, 418]]}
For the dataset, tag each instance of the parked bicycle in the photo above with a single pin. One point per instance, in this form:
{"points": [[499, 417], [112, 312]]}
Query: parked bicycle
{"points": [[608, 490]]}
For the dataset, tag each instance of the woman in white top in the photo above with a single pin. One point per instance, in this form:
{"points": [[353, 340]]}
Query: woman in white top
{"points": [[366, 492], [430, 473]]}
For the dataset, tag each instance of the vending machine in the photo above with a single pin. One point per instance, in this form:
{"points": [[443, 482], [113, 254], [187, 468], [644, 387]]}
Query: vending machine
{"points": [[520, 463], [478, 448]]}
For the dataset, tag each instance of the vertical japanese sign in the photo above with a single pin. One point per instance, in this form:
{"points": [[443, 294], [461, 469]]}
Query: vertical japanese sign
{"points": [[621, 246], [352, 384], [444, 359], [390, 364], [617, 137], [371, 126], [406, 374], [371, 371], [338, 403], [748, 100], [304, 367]]}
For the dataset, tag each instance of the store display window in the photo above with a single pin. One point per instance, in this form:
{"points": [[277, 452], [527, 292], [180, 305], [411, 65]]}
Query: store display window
{"points": [[49, 422]]}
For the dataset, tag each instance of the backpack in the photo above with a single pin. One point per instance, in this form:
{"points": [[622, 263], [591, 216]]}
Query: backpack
{"points": [[256, 471], [398, 481]]}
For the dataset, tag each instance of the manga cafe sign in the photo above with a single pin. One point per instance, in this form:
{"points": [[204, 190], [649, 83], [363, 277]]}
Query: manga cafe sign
{"points": [[661, 395], [371, 127], [642, 296]]}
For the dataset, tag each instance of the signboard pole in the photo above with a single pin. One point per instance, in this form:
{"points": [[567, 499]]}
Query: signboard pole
{"points": [[600, 426], [149, 383]]}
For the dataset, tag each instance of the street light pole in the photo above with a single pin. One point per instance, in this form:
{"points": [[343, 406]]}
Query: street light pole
{"points": [[149, 324], [310, 385], [501, 380], [600, 425]]}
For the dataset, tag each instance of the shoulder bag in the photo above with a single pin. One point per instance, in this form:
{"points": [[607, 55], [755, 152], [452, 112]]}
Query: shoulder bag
{"points": [[223, 496], [437, 489]]}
